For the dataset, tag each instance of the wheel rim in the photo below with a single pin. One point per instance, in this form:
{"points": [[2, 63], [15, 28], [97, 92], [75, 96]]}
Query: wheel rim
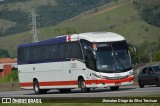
{"points": [[36, 87], [83, 85]]}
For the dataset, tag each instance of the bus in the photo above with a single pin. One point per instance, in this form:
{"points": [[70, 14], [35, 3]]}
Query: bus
{"points": [[85, 61]]}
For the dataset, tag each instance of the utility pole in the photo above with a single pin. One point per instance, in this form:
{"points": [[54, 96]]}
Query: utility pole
{"points": [[34, 24]]}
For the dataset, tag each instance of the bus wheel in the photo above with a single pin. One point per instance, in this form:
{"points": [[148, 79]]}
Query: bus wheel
{"points": [[36, 87], [83, 86], [65, 90], [114, 88]]}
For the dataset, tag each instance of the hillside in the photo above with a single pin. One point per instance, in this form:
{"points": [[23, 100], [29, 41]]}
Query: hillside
{"points": [[120, 17], [50, 12], [149, 10]]}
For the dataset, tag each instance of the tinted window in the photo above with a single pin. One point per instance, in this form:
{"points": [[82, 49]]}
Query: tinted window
{"points": [[20, 54], [35, 56], [62, 50], [83, 44], [49, 52], [122, 45], [44, 52], [73, 50], [54, 51], [156, 68], [150, 70], [27, 54], [144, 71]]}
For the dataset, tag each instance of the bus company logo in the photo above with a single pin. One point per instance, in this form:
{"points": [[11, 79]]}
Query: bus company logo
{"points": [[6, 100]]}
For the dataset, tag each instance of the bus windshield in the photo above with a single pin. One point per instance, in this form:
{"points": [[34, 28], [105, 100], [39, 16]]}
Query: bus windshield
{"points": [[112, 57]]}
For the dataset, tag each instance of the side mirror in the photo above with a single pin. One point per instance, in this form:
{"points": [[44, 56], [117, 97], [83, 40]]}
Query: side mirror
{"points": [[134, 48]]}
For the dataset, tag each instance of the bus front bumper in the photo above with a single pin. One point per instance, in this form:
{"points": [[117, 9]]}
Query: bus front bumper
{"points": [[107, 83]]}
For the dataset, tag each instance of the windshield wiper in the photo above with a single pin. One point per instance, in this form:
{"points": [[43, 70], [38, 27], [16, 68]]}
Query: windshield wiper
{"points": [[116, 57]]}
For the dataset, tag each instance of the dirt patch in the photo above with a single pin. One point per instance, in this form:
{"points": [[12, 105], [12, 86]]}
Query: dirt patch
{"points": [[9, 86]]}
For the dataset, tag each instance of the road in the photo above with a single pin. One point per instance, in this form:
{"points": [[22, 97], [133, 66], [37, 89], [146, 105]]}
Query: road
{"points": [[100, 92]]}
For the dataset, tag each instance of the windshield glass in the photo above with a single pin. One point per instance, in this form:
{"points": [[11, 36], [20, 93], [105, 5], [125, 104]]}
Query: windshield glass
{"points": [[113, 57], [156, 68]]}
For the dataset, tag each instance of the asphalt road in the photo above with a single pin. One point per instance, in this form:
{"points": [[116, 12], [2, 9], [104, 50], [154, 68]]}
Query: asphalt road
{"points": [[100, 92]]}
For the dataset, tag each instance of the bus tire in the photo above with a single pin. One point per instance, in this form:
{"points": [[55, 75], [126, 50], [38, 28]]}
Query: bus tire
{"points": [[37, 89], [114, 88], [83, 86], [65, 90]]}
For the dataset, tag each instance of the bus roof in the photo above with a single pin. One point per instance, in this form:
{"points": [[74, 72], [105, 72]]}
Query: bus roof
{"points": [[101, 36], [90, 36]]}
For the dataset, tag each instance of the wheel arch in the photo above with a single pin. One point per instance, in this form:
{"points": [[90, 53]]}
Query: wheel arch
{"points": [[35, 79], [79, 78]]}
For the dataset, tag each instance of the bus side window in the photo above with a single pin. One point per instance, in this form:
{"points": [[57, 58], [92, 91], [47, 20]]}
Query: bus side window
{"points": [[44, 53], [26, 54], [67, 50], [83, 44], [36, 54], [20, 55], [90, 61], [75, 50], [62, 51], [54, 51]]}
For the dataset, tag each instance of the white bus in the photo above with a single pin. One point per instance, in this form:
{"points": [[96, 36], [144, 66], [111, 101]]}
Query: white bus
{"points": [[86, 60]]}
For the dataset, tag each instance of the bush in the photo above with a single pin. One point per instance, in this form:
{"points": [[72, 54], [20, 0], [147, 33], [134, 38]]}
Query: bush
{"points": [[13, 77]]}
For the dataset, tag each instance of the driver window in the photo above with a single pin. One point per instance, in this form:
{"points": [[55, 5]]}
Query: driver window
{"points": [[90, 60], [144, 71], [150, 70]]}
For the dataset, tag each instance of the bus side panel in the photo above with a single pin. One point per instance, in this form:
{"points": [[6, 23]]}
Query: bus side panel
{"points": [[78, 68], [25, 76], [45, 73], [66, 71], [48, 72]]}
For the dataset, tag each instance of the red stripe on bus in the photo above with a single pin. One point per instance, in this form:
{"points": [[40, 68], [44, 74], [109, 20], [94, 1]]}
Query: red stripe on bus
{"points": [[69, 38], [74, 82]]}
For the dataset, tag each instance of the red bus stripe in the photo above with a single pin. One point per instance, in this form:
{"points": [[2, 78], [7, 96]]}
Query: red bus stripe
{"points": [[69, 38], [74, 82]]}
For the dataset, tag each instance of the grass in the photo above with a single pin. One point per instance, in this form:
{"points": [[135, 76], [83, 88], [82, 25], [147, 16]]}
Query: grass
{"points": [[5, 24], [122, 19], [13, 77], [28, 5]]}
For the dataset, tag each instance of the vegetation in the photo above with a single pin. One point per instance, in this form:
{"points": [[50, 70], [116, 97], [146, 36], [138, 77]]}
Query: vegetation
{"points": [[120, 17], [146, 52], [149, 10], [17, 16], [49, 15], [13, 77], [11, 1], [4, 53]]}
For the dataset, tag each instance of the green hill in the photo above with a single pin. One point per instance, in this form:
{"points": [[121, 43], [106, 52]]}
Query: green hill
{"points": [[120, 17], [50, 12]]}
